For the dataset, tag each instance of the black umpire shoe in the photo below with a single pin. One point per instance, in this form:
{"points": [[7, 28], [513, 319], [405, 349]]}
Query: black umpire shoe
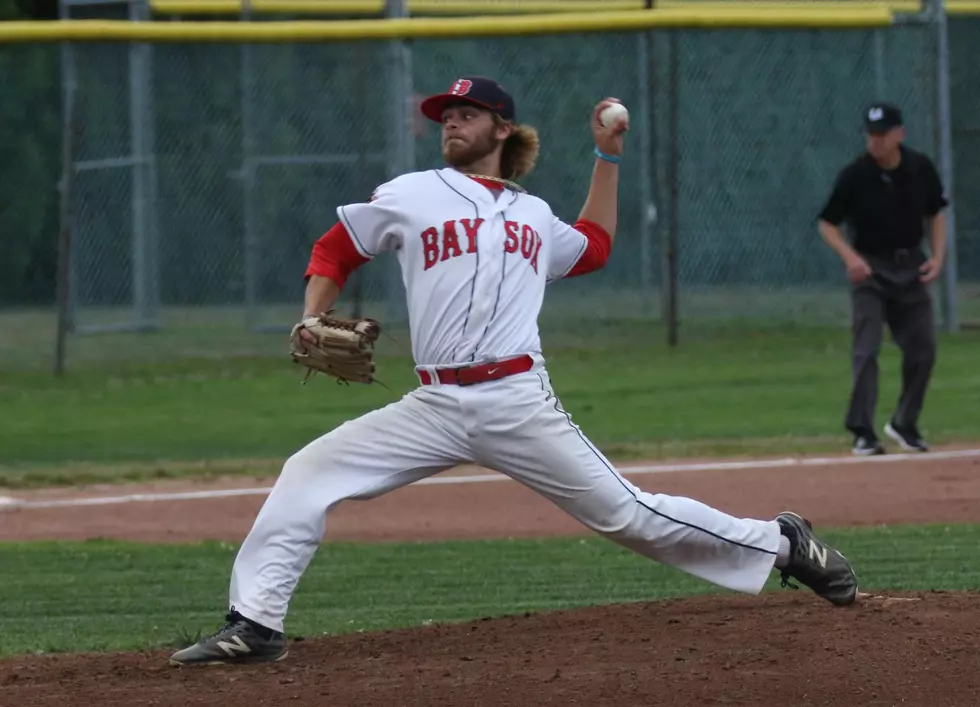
{"points": [[908, 439], [240, 641], [867, 446], [814, 563]]}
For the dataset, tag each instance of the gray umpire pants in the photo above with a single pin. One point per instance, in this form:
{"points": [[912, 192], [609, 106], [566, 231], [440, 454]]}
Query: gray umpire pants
{"points": [[893, 295]]}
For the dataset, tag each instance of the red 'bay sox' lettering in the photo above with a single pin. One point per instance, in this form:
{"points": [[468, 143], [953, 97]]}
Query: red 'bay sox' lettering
{"points": [[525, 239], [443, 244]]}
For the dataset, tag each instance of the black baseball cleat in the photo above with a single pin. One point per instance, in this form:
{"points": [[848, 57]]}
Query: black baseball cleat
{"points": [[866, 446], [240, 641], [908, 439], [814, 563]]}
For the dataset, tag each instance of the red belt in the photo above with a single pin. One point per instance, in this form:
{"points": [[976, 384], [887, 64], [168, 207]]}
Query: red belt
{"points": [[469, 375]]}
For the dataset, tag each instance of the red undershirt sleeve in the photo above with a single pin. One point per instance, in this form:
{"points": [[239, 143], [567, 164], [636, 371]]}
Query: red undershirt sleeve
{"points": [[597, 250], [335, 256]]}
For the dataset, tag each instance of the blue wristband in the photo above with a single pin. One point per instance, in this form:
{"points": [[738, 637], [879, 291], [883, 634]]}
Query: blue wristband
{"points": [[603, 156]]}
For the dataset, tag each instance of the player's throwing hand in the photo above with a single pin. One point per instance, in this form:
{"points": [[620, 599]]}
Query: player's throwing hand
{"points": [[608, 126]]}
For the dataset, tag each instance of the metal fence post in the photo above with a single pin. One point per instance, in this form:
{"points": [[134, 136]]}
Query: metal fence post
{"points": [[401, 147], [64, 279], [670, 285], [250, 250], [362, 82], [144, 247], [648, 206], [939, 19], [879, 60]]}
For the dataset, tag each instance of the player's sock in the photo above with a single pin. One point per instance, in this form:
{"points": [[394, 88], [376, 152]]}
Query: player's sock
{"points": [[782, 555]]}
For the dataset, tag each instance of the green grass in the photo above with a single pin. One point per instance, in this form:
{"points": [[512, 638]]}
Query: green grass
{"points": [[99, 595], [775, 391], [53, 474]]}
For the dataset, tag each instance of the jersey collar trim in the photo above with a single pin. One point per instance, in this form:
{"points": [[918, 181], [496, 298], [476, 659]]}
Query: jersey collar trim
{"points": [[475, 189]]}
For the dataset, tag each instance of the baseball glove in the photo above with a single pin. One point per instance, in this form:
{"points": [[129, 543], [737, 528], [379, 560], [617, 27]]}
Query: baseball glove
{"points": [[344, 348]]}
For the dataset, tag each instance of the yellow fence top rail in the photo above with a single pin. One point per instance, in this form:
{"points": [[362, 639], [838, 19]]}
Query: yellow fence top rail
{"points": [[963, 7], [377, 7], [486, 7], [743, 16]]}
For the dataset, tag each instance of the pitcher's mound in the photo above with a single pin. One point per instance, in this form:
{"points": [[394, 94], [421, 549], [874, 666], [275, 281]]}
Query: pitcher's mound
{"points": [[779, 649]]}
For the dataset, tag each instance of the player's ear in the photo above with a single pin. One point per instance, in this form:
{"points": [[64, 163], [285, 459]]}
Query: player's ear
{"points": [[504, 128]]}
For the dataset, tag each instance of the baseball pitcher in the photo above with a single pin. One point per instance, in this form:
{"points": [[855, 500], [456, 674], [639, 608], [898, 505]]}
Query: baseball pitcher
{"points": [[476, 252]]}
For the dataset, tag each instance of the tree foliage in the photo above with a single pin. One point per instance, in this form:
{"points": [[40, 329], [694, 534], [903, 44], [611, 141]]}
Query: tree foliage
{"points": [[29, 163]]}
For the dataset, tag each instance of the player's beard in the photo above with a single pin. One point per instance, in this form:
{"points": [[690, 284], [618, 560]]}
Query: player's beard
{"points": [[460, 154]]}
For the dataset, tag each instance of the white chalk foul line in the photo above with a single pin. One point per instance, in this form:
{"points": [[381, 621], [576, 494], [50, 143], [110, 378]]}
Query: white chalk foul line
{"points": [[13, 503]]}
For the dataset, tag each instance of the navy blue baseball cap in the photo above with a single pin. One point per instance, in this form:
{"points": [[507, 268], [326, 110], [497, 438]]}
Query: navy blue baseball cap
{"points": [[879, 118], [475, 90]]}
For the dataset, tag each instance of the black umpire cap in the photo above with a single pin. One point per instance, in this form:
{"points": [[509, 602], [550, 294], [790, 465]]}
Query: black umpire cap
{"points": [[879, 118], [475, 90]]}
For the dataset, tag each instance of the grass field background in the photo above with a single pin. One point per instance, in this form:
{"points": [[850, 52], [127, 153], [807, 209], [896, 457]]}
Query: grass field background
{"points": [[99, 595], [138, 412], [775, 390]]}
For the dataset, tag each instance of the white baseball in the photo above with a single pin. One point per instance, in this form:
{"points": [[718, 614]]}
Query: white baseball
{"points": [[611, 113]]}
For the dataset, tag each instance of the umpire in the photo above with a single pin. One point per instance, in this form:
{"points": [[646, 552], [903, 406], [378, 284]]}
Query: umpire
{"points": [[889, 197]]}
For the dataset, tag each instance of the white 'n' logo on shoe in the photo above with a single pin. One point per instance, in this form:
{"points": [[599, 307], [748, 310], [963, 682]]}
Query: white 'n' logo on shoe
{"points": [[816, 553], [236, 644]]}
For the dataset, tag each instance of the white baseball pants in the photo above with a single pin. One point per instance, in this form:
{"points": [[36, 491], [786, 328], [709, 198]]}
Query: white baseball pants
{"points": [[516, 426]]}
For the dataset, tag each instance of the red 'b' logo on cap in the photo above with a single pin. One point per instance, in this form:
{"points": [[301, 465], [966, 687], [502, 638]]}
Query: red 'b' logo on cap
{"points": [[461, 87]]}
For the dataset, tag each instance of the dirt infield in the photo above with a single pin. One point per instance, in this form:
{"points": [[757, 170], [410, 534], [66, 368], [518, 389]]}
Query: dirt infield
{"points": [[784, 648], [778, 650]]}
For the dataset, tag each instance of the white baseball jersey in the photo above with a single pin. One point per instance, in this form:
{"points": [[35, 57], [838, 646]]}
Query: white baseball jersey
{"points": [[475, 269], [474, 265]]}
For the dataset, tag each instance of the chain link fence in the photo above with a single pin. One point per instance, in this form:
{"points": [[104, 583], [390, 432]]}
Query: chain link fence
{"points": [[964, 80], [201, 175]]}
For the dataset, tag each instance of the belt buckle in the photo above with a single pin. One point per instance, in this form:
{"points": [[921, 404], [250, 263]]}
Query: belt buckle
{"points": [[459, 381], [901, 255]]}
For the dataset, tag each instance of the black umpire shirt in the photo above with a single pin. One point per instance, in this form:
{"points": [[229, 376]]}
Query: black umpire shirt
{"points": [[886, 208]]}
